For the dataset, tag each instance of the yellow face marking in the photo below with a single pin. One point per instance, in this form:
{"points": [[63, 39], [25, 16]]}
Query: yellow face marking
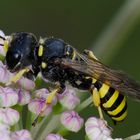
{"points": [[112, 100], [40, 51], [43, 65], [118, 109], [121, 117], [103, 90]]}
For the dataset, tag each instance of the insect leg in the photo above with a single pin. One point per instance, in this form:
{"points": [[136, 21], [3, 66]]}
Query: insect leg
{"points": [[90, 54], [15, 78], [49, 100], [96, 101]]}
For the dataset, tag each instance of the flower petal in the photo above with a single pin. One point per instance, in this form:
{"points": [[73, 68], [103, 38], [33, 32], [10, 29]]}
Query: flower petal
{"points": [[8, 97], [21, 135], [8, 116], [36, 106], [26, 83], [54, 137], [70, 100], [5, 75], [2, 52], [71, 120], [96, 129], [23, 97]]}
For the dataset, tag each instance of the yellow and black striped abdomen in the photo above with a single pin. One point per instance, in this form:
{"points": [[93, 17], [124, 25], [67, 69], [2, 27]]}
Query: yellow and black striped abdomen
{"points": [[112, 102]]}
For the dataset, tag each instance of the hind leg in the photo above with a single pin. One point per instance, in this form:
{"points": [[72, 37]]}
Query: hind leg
{"points": [[96, 101]]}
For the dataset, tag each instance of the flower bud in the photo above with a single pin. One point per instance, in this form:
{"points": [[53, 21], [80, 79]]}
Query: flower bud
{"points": [[54, 137], [97, 129], [70, 100], [37, 105], [5, 75], [8, 97], [43, 93], [23, 97], [2, 52], [4, 132], [21, 135], [8, 116], [26, 83], [71, 120]]}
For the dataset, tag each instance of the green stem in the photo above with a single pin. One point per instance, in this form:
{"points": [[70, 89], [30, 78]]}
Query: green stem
{"points": [[26, 119], [46, 129]]}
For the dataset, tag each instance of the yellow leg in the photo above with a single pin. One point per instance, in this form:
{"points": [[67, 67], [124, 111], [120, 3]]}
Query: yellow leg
{"points": [[90, 54], [17, 76], [96, 101], [48, 101]]}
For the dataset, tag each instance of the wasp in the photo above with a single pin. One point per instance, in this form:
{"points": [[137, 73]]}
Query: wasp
{"points": [[59, 63]]}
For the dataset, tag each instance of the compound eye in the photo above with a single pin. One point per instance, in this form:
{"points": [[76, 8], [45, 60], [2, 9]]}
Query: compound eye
{"points": [[12, 59]]}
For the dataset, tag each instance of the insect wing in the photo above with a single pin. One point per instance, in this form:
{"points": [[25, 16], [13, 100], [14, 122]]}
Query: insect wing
{"points": [[115, 79]]}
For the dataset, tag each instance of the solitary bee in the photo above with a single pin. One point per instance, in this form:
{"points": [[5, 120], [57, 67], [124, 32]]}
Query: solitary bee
{"points": [[59, 62]]}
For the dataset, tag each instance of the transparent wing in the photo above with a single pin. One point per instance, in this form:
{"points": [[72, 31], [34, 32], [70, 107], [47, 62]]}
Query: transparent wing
{"points": [[103, 73]]}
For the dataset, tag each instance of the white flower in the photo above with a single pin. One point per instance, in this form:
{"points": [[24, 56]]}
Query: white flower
{"points": [[23, 97], [71, 120], [69, 100], [21, 135], [54, 137], [2, 52], [5, 75], [8, 116], [96, 129], [26, 83], [8, 97], [36, 106]]}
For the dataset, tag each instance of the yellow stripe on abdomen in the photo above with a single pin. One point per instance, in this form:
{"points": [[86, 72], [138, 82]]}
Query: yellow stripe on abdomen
{"points": [[118, 109], [112, 100], [121, 118]]}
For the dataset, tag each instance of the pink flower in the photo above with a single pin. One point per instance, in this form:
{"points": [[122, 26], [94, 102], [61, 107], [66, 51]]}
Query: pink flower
{"points": [[69, 100], [71, 120], [4, 132], [8, 116], [36, 106], [96, 129], [21, 135], [54, 137], [43, 93], [5, 75], [8, 97], [23, 97], [26, 83], [2, 52]]}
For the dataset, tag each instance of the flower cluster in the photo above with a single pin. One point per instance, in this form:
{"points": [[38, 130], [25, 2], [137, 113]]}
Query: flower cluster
{"points": [[14, 97]]}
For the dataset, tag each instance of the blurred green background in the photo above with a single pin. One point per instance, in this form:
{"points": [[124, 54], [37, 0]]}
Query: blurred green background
{"points": [[83, 24]]}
